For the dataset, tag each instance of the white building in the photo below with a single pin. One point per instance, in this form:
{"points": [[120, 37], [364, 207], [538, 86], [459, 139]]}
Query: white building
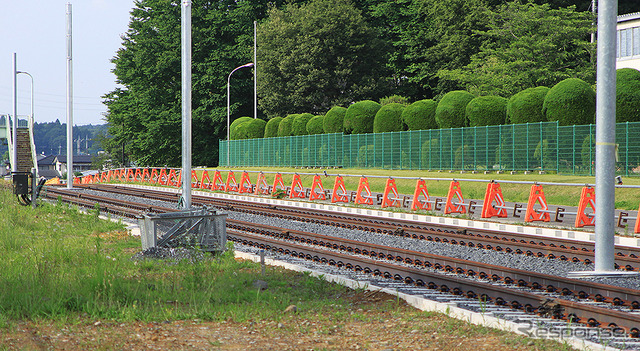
{"points": [[628, 40]]}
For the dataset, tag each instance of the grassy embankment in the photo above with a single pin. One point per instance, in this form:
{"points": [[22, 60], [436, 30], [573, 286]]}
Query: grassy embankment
{"points": [[59, 265], [626, 199]]}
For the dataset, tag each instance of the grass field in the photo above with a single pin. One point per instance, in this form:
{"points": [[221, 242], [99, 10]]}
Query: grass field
{"points": [[626, 198], [68, 282]]}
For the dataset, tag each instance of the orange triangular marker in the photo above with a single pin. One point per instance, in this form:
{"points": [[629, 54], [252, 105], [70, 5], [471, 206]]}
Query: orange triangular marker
{"points": [[363, 195], [162, 177], [261, 185], [317, 190], [339, 191], [205, 182], [455, 201], [536, 196], [138, 175], [123, 175], [130, 177], [587, 198], [420, 197], [297, 190], [173, 179], [390, 197], [231, 184], [195, 182], [278, 183], [103, 176], [145, 175], [493, 194], [218, 184], [154, 177], [245, 183]]}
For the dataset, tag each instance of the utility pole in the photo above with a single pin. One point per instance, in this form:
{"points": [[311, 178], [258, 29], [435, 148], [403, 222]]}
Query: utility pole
{"points": [[69, 102], [186, 103]]}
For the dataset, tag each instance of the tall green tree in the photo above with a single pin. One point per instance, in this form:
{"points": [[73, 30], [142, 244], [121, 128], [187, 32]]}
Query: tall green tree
{"points": [[144, 114], [317, 55], [528, 45]]}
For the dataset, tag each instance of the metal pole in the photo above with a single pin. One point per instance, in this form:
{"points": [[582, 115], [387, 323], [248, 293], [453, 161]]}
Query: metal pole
{"points": [[14, 131], [186, 104], [605, 136], [69, 102], [33, 152], [255, 70]]}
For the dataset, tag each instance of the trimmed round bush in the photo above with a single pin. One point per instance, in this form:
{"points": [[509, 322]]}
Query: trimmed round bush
{"points": [[299, 125], [252, 129], [526, 106], [333, 121], [271, 129], [486, 111], [314, 126], [284, 128], [389, 118], [451, 110], [627, 95], [570, 102], [235, 124], [420, 115], [359, 117]]}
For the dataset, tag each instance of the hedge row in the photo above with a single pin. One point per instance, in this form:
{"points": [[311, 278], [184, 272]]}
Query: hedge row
{"points": [[570, 102]]}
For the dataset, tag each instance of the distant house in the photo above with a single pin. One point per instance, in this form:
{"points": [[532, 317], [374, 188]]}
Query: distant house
{"points": [[628, 40], [81, 163], [47, 166]]}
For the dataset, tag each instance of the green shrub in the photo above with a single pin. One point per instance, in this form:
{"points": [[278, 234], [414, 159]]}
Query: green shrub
{"points": [[271, 129], [314, 126], [235, 124], [333, 121], [389, 119], [420, 115], [570, 102], [526, 106], [284, 128], [359, 117], [299, 125], [252, 129], [627, 95], [450, 112], [486, 111], [394, 99], [367, 157]]}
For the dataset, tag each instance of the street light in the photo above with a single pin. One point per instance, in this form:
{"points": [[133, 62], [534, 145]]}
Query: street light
{"points": [[250, 64]]}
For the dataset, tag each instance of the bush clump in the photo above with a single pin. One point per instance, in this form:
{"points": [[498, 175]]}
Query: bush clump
{"points": [[486, 111], [526, 106], [234, 125], [299, 125], [627, 95], [570, 102], [271, 129], [359, 117], [252, 129], [394, 99], [451, 110], [333, 121], [389, 119], [314, 126], [284, 128], [420, 115]]}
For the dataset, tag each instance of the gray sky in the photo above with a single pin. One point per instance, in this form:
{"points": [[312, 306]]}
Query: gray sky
{"points": [[36, 31]]}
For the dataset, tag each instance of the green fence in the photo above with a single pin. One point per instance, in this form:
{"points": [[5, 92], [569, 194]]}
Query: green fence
{"points": [[517, 147]]}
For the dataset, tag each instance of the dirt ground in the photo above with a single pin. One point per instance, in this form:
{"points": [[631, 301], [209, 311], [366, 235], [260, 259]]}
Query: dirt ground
{"points": [[370, 325]]}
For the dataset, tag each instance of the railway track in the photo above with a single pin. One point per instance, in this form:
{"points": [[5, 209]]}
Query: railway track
{"points": [[577, 301]]}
